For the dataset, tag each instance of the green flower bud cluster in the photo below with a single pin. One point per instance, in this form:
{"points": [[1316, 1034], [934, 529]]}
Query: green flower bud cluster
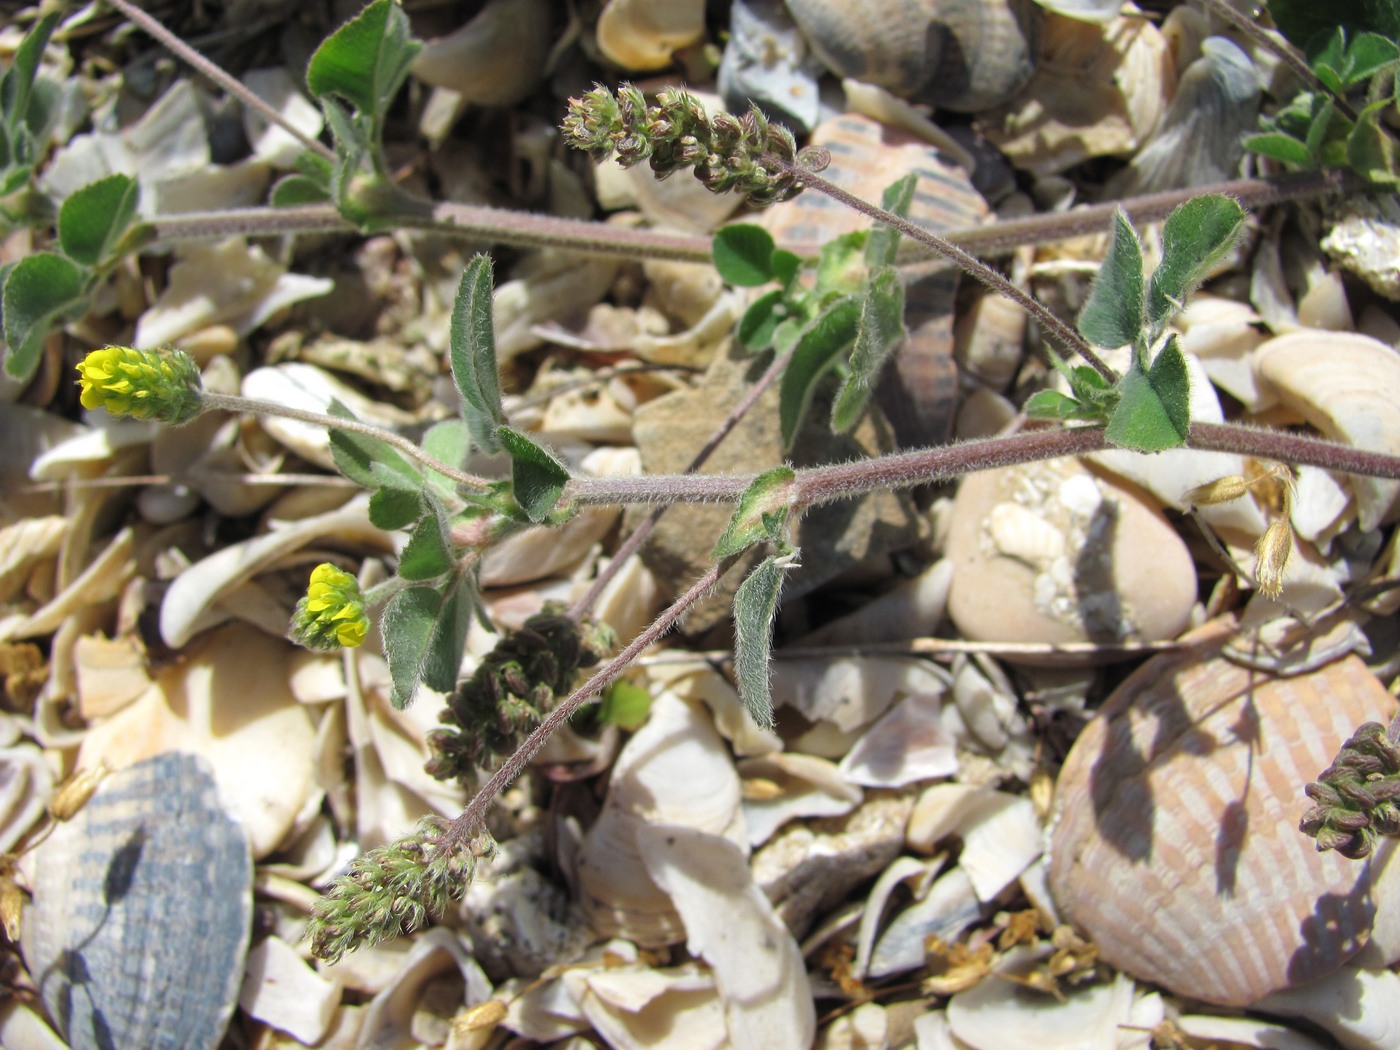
{"points": [[1357, 795], [331, 614], [393, 890], [512, 690], [163, 385], [747, 154]]}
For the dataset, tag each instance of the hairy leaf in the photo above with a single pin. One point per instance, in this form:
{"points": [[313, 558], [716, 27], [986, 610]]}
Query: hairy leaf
{"points": [[1279, 146], [883, 245], [358, 455], [1112, 316], [762, 512], [743, 255], [1194, 238], [93, 218], [428, 552], [41, 290], [755, 605], [425, 632], [473, 345], [1154, 407], [879, 330], [536, 474], [761, 320], [366, 60], [818, 348]]}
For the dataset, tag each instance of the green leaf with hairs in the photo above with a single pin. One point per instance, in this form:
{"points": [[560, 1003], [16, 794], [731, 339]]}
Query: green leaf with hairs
{"points": [[743, 255], [366, 60], [818, 349], [761, 320], [428, 552], [1280, 147], [761, 515], [425, 633], [883, 245], [1112, 316], [41, 290], [755, 606], [1154, 407], [537, 475], [92, 219], [879, 330], [1196, 235], [472, 341]]}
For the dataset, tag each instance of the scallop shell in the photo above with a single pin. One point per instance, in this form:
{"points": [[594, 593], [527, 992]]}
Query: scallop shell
{"points": [[1347, 386], [139, 923], [964, 55], [1177, 847]]}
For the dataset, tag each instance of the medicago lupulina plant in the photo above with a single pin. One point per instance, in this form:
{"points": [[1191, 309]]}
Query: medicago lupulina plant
{"points": [[817, 324]]}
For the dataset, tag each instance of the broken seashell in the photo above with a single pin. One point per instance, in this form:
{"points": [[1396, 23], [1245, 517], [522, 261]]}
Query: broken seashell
{"points": [[142, 902], [1176, 849], [1347, 386], [995, 1014], [1245, 1032], [1001, 833], [1360, 1008], [279, 989], [766, 61], [674, 771], [959, 56], [906, 745], [851, 692], [729, 923], [1097, 90], [796, 786], [633, 1006], [642, 36], [26, 782], [495, 59], [944, 910]]}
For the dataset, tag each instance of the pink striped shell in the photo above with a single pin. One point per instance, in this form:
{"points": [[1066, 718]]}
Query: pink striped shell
{"points": [[1177, 847]]}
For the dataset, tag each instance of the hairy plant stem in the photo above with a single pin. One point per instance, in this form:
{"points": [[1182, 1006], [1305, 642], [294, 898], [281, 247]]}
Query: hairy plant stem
{"points": [[251, 406], [461, 830], [633, 543], [969, 264], [817, 485], [210, 70], [530, 230]]}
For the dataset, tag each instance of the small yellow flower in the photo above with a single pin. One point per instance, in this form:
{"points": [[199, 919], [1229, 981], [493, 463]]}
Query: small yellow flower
{"points": [[163, 385], [332, 614]]}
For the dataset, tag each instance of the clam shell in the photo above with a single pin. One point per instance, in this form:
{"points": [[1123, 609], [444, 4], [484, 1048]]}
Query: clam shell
{"points": [[1347, 386], [964, 56], [1177, 847], [496, 59], [640, 35], [139, 923]]}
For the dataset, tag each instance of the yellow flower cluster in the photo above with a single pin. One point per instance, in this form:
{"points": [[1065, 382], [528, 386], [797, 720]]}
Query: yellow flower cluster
{"points": [[332, 614], [163, 385]]}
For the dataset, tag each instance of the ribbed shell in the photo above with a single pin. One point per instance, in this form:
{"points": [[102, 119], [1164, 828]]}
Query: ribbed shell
{"points": [[965, 55], [866, 157], [1177, 848]]}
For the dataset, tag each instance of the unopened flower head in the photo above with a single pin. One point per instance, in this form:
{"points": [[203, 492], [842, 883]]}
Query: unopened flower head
{"points": [[332, 614], [163, 385], [1271, 557]]}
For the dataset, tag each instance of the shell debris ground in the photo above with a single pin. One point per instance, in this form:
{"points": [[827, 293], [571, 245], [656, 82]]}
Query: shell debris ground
{"points": [[1039, 748]]}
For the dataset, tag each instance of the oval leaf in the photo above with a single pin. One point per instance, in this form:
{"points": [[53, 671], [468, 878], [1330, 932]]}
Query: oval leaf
{"points": [[473, 347], [41, 290], [1154, 408], [879, 331], [817, 349], [743, 255], [537, 476], [755, 605], [93, 218], [1194, 237], [365, 60]]}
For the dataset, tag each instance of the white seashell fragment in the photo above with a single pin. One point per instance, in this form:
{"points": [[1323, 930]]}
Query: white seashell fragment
{"points": [[392, 1017], [21, 1026], [496, 59], [851, 691], [635, 1007], [1222, 334], [906, 745], [864, 1028], [996, 1014], [273, 143], [24, 543], [945, 910], [642, 36], [26, 782], [229, 702], [1360, 1008], [1320, 504], [731, 718], [229, 283], [910, 609], [1001, 833], [1347, 386], [674, 771], [281, 990], [731, 925], [807, 786], [1246, 1031]]}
